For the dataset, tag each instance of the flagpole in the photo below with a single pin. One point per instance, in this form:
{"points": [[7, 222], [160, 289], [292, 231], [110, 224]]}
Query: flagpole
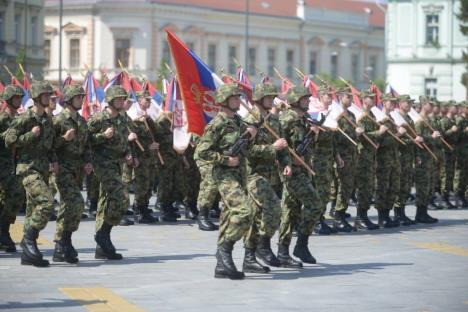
{"points": [[60, 42], [247, 20]]}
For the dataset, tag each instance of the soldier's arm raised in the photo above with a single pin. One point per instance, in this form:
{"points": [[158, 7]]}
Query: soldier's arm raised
{"points": [[17, 136]]}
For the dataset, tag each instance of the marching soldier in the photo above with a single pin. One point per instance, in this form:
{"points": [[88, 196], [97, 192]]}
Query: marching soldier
{"points": [[32, 136], [461, 169]]}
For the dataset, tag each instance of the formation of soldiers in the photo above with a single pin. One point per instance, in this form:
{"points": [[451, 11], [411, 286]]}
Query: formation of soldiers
{"points": [[274, 170]]}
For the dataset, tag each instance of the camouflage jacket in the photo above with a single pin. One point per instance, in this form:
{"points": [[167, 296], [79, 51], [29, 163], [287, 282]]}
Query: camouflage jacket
{"points": [[263, 159], [462, 124], [371, 129], [32, 152], [409, 148], [5, 122], [145, 136], [343, 145], [115, 148], [426, 133], [77, 149], [164, 136], [446, 131]]}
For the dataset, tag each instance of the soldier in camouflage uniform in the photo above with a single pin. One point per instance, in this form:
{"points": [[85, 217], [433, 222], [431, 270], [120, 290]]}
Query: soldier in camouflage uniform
{"points": [[461, 169], [450, 132], [267, 155], [32, 136], [71, 143], [406, 164], [215, 145], [322, 160], [434, 120], [366, 165], [300, 202], [109, 137], [388, 166], [11, 190], [424, 165], [191, 177], [348, 152]]}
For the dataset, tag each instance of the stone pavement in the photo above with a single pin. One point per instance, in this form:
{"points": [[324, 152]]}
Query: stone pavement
{"points": [[170, 268]]}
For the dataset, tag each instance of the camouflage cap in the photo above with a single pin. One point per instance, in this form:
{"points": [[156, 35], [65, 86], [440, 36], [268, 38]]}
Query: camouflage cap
{"points": [[325, 89], [262, 90], [10, 91], [404, 98], [40, 87], [464, 104], [344, 90], [143, 93], [366, 93], [296, 93], [389, 97], [425, 99], [227, 90], [115, 92], [71, 91], [452, 103]]}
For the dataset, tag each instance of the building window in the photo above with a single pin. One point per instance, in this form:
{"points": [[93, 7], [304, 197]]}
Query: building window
{"points": [[166, 55], [17, 28], [334, 65], [430, 87], [74, 53], [34, 30], [271, 61], [122, 52], [47, 52], [212, 56], [355, 68], [252, 61], [232, 57], [2, 24], [290, 63], [372, 69], [313, 63], [432, 29]]}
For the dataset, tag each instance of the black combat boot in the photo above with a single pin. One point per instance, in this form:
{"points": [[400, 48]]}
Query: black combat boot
{"points": [[423, 217], [301, 250], [251, 264], [286, 261], [340, 223], [6, 242], [64, 250], [125, 221], [401, 217], [167, 214], [225, 266], [322, 228], [265, 253], [362, 221], [384, 219], [204, 222], [447, 203], [146, 217], [104, 248], [31, 254], [215, 212], [191, 211]]}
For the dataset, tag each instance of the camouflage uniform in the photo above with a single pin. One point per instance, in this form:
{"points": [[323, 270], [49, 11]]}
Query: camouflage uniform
{"points": [[73, 155], [448, 168], [461, 170], [191, 178], [422, 175]]}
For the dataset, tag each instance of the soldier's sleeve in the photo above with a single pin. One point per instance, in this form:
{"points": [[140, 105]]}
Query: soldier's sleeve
{"points": [[419, 128], [88, 154], [96, 137], [129, 147], [371, 130], [4, 124], [59, 140], [283, 156], [18, 136], [257, 150], [206, 148]]}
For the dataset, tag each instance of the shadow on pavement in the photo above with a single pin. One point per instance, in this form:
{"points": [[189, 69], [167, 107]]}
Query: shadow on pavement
{"points": [[52, 303]]}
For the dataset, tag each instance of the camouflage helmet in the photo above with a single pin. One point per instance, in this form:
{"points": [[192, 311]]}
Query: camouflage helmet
{"points": [[389, 97], [143, 93], [115, 92], [296, 93], [12, 90], [262, 90], [40, 87], [424, 99], [227, 90], [71, 91], [325, 89], [344, 90]]}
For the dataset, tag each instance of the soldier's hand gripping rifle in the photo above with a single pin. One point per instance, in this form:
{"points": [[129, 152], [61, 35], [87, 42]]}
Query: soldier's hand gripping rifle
{"points": [[301, 149], [240, 146]]}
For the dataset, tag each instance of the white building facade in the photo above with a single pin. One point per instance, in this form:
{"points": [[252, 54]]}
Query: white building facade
{"points": [[98, 33], [425, 48]]}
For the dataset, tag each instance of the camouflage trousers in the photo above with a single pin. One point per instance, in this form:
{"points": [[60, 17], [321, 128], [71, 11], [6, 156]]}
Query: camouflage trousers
{"points": [[68, 183], [170, 187], [388, 180], [461, 172], [111, 205], [323, 167], [127, 179], [11, 193], [423, 180], [437, 170], [237, 215], [143, 175], [39, 199], [406, 179], [208, 192], [300, 206], [192, 183], [346, 181], [447, 173], [92, 187], [267, 210], [365, 179]]}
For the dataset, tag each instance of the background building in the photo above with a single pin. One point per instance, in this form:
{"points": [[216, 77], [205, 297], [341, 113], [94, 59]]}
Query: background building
{"points": [[425, 48], [340, 37], [22, 36]]}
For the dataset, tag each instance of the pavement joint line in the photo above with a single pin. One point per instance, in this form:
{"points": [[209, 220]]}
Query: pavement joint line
{"points": [[16, 231], [442, 247], [99, 299]]}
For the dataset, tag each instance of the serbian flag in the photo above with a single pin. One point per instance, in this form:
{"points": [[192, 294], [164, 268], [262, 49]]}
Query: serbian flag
{"points": [[309, 84], [392, 91], [378, 95], [173, 95], [68, 81], [91, 103], [286, 84], [227, 79], [197, 85], [244, 84], [157, 97]]}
